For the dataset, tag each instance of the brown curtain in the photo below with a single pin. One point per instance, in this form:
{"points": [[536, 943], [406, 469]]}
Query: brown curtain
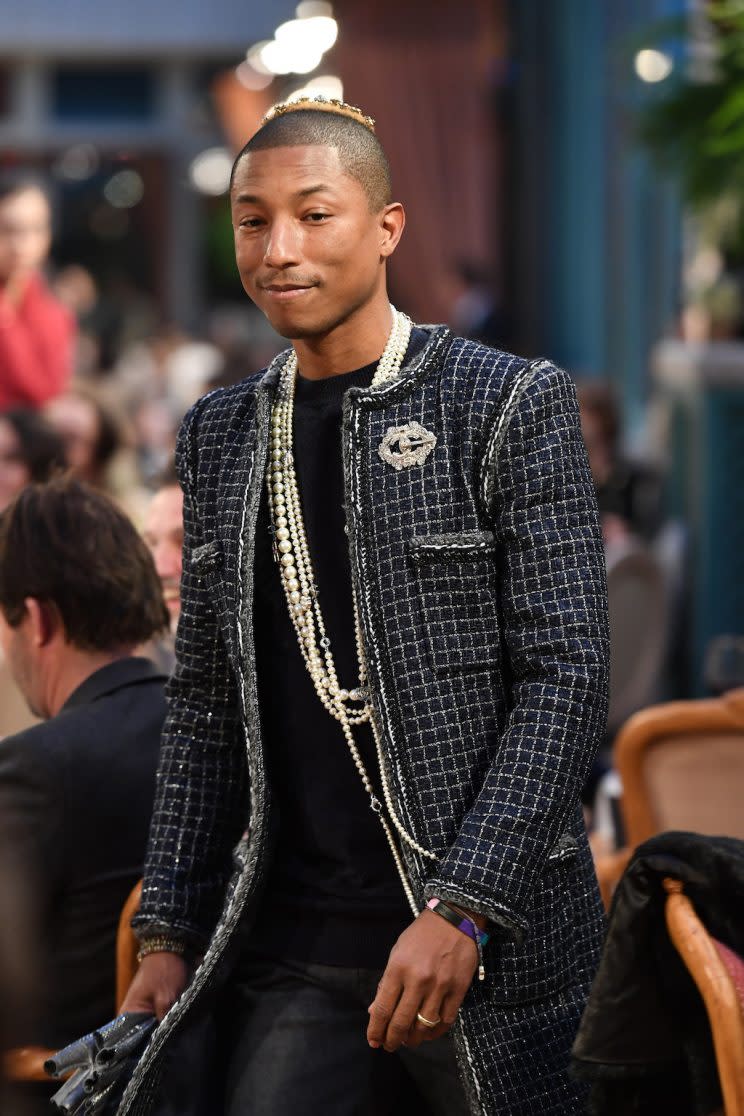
{"points": [[427, 73]]}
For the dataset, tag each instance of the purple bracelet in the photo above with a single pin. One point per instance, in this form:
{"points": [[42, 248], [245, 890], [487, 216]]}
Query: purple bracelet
{"points": [[465, 925]]}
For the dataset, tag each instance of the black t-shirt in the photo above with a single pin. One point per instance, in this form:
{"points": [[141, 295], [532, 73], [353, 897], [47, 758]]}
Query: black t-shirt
{"points": [[333, 895]]}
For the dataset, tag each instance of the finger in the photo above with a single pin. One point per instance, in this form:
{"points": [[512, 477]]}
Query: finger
{"points": [[382, 1007], [447, 1016], [402, 1022], [430, 1009]]}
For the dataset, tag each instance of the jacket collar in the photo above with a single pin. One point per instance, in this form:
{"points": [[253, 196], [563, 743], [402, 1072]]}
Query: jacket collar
{"points": [[411, 374], [114, 676]]}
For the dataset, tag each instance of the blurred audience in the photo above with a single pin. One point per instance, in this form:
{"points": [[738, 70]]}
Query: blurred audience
{"points": [[76, 289], [163, 534], [629, 493], [475, 312], [36, 330], [88, 432], [78, 594], [30, 450]]}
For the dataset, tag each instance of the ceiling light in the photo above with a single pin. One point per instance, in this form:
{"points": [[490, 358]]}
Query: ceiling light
{"points": [[653, 65]]}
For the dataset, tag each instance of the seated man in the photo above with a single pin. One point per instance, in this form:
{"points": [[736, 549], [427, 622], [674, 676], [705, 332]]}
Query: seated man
{"points": [[78, 592], [163, 533]]}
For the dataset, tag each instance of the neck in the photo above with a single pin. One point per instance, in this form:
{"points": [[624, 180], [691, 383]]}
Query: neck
{"points": [[76, 667], [354, 343]]}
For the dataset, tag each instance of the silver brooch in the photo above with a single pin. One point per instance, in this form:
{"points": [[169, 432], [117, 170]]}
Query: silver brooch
{"points": [[406, 445]]}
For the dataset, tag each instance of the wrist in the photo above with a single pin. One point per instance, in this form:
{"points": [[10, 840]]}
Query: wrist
{"points": [[161, 944], [480, 920], [465, 925]]}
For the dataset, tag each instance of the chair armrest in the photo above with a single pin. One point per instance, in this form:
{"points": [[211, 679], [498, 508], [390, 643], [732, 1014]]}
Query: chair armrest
{"points": [[26, 1063]]}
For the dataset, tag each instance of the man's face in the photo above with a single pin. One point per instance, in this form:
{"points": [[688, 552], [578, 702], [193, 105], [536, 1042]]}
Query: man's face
{"points": [[306, 244], [18, 650], [25, 233], [163, 533]]}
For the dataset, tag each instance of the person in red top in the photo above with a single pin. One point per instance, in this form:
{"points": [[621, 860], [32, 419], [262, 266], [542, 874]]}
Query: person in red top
{"points": [[36, 331]]}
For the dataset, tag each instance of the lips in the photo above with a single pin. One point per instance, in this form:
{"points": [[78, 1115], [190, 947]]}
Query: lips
{"points": [[286, 293]]}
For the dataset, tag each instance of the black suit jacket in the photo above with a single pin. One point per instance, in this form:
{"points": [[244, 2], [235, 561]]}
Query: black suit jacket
{"points": [[76, 797]]}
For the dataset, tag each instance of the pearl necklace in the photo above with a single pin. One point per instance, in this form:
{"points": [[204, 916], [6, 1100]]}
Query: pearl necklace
{"points": [[348, 707]]}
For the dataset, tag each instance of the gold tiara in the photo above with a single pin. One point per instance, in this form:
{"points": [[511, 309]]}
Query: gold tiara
{"points": [[323, 104]]}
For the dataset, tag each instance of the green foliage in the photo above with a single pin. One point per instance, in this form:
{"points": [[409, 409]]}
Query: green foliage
{"points": [[695, 126]]}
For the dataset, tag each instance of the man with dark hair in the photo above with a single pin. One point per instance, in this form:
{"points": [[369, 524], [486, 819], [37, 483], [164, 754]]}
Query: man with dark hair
{"points": [[162, 530], [78, 593], [391, 679], [36, 331]]}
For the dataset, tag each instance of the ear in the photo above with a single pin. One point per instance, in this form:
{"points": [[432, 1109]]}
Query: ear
{"points": [[42, 620], [392, 223]]}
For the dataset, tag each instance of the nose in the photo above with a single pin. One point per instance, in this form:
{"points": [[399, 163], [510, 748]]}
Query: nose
{"points": [[282, 245]]}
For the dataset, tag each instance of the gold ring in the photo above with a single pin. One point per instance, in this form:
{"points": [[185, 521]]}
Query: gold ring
{"points": [[427, 1022]]}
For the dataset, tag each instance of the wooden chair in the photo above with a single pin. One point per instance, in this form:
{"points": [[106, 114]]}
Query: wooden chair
{"points": [[719, 976], [26, 1063], [682, 767]]}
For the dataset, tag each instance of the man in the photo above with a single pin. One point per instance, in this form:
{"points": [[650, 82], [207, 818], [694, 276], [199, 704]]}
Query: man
{"points": [[36, 331], [163, 533], [78, 592], [438, 611]]}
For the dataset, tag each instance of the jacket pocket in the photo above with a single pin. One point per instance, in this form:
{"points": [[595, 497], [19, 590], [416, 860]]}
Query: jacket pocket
{"points": [[544, 962], [456, 575], [207, 558]]}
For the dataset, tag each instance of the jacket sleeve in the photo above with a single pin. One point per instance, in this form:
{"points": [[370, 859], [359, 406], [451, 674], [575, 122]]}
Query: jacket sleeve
{"points": [[553, 606], [200, 798]]}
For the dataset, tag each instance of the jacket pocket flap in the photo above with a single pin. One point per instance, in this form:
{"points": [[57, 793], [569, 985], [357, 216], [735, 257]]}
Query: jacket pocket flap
{"points": [[453, 546], [207, 557], [565, 848]]}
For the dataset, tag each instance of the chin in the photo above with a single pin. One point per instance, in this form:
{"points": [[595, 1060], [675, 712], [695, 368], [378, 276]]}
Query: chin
{"points": [[301, 327]]}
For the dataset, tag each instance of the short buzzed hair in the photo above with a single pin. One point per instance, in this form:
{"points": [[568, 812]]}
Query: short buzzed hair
{"points": [[360, 152]]}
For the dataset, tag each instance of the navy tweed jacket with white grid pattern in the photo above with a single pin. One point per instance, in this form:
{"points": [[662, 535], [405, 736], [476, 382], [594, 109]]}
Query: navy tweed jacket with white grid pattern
{"points": [[480, 577]]}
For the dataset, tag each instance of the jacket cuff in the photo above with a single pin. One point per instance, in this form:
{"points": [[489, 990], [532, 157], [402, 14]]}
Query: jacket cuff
{"points": [[478, 901], [145, 929]]}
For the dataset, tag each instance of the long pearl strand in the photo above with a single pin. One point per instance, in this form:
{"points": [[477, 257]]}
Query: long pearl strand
{"points": [[348, 707]]}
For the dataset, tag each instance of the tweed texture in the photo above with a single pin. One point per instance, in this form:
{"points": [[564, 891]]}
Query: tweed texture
{"points": [[480, 578]]}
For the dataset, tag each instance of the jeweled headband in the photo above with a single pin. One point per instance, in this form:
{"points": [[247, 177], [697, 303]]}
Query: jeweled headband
{"points": [[324, 104]]}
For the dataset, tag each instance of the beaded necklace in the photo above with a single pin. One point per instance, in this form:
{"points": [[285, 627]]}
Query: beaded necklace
{"points": [[348, 707]]}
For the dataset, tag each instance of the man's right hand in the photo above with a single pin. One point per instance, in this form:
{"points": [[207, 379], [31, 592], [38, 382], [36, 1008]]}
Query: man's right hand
{"points": [[160, 980]]}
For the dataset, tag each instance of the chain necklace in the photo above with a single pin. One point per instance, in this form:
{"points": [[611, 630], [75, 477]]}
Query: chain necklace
{"points": [[348, 707]]}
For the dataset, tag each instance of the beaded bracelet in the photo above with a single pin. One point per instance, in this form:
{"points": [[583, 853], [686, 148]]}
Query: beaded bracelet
{"points": [[466, 926], [160, 945]]}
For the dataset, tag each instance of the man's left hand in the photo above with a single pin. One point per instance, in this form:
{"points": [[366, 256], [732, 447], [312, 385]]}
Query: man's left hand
{"points": [[429, 971]]}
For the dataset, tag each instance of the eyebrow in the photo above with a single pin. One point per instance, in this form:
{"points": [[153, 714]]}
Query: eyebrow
{"points": [[254, 199]]}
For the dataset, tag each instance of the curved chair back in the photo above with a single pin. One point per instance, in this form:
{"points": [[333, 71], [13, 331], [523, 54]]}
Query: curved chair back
{"points": [[127, 944], [682, 767], [718, 974]]}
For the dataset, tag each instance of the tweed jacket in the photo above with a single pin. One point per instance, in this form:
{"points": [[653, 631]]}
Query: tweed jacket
{"points": [[480, 580]]}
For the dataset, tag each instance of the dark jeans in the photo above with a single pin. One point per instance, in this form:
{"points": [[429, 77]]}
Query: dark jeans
{"points": [[300, 1045]]}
